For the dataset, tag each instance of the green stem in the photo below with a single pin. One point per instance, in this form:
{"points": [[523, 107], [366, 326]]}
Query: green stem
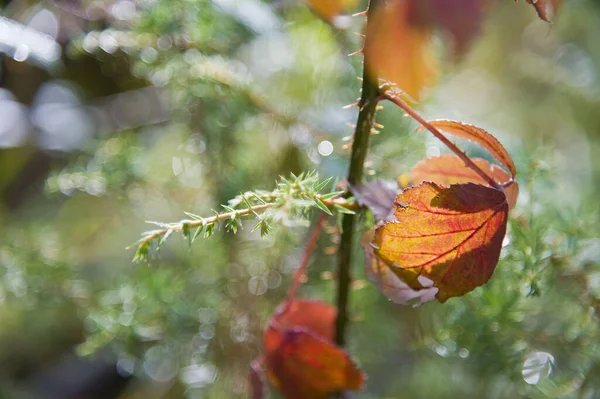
{"points": [[362, 133]]}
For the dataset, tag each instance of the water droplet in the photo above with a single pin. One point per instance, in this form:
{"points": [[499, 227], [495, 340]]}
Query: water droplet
{"points": [[536, 366]]}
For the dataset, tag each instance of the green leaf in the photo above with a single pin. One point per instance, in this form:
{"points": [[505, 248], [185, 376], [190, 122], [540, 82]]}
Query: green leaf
{"points": [[196, 217], [322, 185], [197, 233], [164, 238], [332, 195], [341, 209], [322, 206]]}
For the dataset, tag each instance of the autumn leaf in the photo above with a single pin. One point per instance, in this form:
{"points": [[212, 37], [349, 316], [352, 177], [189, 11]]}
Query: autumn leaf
{"points": [[479, 136], [398, 50], [300, 358], [390, 285], [449, 169], [450, 236], [308, 366], [331, 10]]}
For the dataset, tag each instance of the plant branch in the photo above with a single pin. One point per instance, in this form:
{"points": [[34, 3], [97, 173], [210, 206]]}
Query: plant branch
{"points": [[360, 146], [310, 246], [393, 97], [184, 226]]}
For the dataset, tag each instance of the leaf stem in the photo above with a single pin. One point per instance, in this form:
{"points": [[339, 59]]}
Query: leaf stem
{"points": [[393, 97], [360, 146], [310, 246]]}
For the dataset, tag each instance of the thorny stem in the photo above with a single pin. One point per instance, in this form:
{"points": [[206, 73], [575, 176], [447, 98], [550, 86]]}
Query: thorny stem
{"points": [[362, 133], [310, 246], [393, 97]]}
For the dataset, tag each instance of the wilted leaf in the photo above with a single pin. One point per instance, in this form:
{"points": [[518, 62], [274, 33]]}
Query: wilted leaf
{"points": [[380, 274], [546, 9], [331, 10], [479, 136], [308, 366], [300, 358], [452, 236], [378, 196], [449, 169], [398, 50]]}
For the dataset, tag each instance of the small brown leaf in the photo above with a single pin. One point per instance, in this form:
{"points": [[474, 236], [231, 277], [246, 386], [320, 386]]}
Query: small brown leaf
{"points": [[451, 236], [546, 9], [449, 169], [479, 136]]}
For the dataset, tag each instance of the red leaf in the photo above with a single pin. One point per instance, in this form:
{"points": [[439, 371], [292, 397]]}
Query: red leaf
{"points": [[316, 316], [300, 358], [479, 136], [449, 169], [308, 366], [449, 236]]}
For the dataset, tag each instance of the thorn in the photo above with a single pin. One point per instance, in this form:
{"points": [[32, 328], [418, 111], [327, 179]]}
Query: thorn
{"points": [[361, 14], [356, 53], [351, 125], [359, 78], [375, 131], [379, 108], [348, 138], [331, 250], [360, 35], [346, 146], [350, 105], [378, 125]]}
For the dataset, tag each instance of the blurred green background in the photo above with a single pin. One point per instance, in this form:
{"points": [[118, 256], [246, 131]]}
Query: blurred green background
{"points": [[114, 112]]}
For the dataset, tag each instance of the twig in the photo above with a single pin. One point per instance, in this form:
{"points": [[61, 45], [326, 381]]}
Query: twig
{"points": [[393, 97], [360, 146], [310, 246]]}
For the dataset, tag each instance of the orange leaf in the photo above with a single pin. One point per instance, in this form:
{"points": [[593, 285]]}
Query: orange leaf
{"points": [[479, 136], [398, 50], [449, 236], [330, 10], [308, 366], [300, 358], [378, 272], [449, 169]]}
